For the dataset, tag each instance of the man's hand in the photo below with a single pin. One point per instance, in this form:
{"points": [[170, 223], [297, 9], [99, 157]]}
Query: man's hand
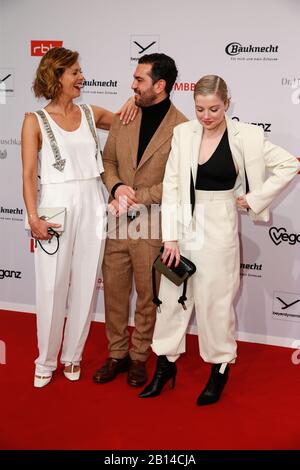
{"points": [[115, 208], [125, 196]]}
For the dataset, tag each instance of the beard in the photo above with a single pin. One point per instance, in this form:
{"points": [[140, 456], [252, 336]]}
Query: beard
{"points": [[145, 99]]}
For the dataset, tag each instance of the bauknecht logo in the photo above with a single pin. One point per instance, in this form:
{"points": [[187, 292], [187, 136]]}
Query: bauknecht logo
{"points": [[107, 87], [5, 210], [12, 215], [251, 269], [279, 235], [235, 48], [10, 274]]}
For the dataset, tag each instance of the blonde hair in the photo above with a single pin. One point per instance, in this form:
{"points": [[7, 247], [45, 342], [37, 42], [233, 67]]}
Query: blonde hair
{"points": [[50, 69], [212, 85]]}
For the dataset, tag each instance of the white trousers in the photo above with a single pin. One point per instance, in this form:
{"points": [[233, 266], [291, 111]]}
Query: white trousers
{"points": [[69, 276], [215, 252]]}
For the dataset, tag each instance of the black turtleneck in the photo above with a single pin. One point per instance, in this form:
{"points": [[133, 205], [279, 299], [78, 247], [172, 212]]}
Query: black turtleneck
{"points": [[151, 119]]}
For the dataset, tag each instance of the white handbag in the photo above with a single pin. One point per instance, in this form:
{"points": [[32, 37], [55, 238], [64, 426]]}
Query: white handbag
{"points": [[55, 215]]}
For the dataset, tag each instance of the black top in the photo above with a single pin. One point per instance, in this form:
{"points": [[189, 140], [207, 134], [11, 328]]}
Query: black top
{"points": [[218, 173], [151, 119]]}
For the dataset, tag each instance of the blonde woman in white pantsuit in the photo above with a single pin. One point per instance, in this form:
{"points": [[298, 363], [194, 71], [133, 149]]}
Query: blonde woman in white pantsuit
{"points": [[212, 162], [61, 140]]}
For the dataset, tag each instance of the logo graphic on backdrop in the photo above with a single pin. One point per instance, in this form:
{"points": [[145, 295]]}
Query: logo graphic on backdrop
{"points": [[249, 52], [7, 84], [39, 48], [294, 84], [286, 306], [7, 273], [184, 86], [3, 154], [251, 269], [11, 214], [266, 125], [281, 235], [142, 44], [10, 141], [101, 87]]}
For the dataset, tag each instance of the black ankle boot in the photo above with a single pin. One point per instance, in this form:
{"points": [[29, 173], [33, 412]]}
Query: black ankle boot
{"points": [[165, 371], [214, 386]]}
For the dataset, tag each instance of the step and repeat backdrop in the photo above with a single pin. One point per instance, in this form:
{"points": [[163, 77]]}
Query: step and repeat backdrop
{"points": [[253, 45]]}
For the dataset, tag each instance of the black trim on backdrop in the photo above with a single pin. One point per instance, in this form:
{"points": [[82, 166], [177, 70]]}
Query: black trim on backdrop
{"points": [[139, 458]]}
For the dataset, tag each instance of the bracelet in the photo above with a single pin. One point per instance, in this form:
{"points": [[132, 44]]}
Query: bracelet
{"points": [[30, 216]]}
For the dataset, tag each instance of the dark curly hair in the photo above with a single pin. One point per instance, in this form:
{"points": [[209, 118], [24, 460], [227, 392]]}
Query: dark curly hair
{"points": [[49, 71], [163, 68]]}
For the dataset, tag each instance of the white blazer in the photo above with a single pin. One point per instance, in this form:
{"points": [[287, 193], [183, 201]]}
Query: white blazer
{"points": [[253, 155]]}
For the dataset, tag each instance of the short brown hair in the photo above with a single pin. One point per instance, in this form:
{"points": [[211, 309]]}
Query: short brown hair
{"points": [[49, 71], [212, 85]]}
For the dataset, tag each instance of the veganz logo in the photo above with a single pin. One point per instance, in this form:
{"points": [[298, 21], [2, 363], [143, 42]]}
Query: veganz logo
{"points": [[7, 273], [235, 48], [266, 125], [141, 44], [39, 48], [279, 235]]}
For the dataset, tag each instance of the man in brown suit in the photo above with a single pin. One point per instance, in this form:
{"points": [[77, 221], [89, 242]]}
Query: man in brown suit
{"points": [[134, 162]]}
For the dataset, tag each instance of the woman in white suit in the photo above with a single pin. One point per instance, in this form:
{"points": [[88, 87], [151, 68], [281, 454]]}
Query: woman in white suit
{"points": [[215, 166]]}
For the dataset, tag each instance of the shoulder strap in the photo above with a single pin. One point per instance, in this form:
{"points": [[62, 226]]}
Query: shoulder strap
{"points": [[155, 299], [59, 162], [183, 297], [90, 122]]}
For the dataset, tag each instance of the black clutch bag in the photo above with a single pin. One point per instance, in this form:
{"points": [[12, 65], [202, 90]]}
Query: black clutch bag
{"points": [[177, 275]]}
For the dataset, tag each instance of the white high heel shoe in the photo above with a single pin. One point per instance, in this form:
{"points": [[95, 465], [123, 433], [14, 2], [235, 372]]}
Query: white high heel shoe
{"points": [[72, 375], [41, 380]]}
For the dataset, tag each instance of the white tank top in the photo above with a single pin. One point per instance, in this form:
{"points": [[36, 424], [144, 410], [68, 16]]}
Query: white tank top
{"points": [[78, 148]]}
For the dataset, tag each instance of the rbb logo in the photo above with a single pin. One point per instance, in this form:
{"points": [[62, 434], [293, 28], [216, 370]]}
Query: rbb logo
{"points": [[39, 48], [184, 86]]}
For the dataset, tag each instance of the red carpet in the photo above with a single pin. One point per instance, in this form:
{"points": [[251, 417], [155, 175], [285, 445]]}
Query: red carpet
{"points": [[258, 410]]}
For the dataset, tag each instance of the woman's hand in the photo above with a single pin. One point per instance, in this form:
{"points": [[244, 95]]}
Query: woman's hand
{"points": [[242, 203], [128, 111], [172, 252], [39, 228]]}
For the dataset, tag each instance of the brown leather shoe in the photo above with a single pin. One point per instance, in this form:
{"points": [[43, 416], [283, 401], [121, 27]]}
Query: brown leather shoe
{"points": [[137, 374], [111, 368]]}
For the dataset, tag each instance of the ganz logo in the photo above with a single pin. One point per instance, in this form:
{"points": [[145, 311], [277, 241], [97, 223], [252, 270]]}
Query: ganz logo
{"points": [[279, 235], [39, 48], [7, 273], [265, 125], [235, 48]]}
